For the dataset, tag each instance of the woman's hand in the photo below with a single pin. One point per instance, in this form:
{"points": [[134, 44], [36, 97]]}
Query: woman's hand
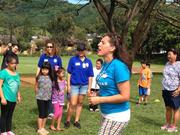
{"points": [[176, 93], [19, 99], [94, 100], [69, 89], [3, 101]]}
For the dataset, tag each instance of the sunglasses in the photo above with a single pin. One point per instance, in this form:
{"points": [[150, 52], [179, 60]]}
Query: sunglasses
{"points": [[49, 47], [13, 63]]}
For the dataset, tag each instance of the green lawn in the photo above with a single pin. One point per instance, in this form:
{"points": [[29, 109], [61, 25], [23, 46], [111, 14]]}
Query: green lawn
{"points": [[145, 120], [28, 65]]}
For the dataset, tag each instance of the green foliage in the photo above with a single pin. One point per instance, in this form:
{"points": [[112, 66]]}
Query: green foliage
{"points": [[61, 28]]}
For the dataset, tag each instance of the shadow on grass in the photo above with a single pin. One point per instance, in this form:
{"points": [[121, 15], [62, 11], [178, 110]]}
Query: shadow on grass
{"points": [[148, 121]]}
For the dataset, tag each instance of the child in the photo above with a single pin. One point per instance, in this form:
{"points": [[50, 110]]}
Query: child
{"points": [[43, 91], [144, 83], [149, 89], [9, 93], [95, 87], [58, 98]]}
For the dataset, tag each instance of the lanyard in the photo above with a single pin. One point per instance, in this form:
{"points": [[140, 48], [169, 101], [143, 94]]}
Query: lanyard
{"points": [[103, 71]]}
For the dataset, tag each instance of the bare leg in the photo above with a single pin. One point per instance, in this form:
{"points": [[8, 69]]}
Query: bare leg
{"points": [[79, 107], [44, 123], [168, 115], [140, 99], [73, 104], [176, 117], [40, 123]]}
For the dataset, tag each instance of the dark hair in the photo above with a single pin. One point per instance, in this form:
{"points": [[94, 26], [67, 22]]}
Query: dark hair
{"points": [[81, 46], [10, 58], [13, 45], [56, 85], [148, 64], [120, 52], [46, 65], [143, 62], [100, 60], [174, 52]]}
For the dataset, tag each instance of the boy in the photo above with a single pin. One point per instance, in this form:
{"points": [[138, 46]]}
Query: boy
{"points": [[144, 83], [95, 87]]}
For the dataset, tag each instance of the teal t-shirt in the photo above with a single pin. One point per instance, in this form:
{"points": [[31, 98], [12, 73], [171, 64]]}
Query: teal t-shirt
{"points": [[110, 75], [10, 86]]}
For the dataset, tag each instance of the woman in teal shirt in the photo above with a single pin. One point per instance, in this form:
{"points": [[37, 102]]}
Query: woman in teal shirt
{"points": [[114, 85], [9, 93]]}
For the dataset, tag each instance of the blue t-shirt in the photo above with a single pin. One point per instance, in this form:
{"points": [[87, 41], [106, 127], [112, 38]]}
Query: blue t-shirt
{"points": [[111, 74], [54, 60], [80, 71]]}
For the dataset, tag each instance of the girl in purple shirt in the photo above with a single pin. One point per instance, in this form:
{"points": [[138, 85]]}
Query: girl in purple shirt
{"points": [[58, 98]]}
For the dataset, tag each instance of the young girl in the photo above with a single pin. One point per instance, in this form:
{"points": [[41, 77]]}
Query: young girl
{"points": [[58, 98], [43, 91], [9, 93]]}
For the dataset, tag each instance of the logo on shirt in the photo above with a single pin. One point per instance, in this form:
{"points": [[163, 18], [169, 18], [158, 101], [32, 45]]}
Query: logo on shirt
{"points": [[78, 64], [85, 65], [45, 60], [55, 60]]}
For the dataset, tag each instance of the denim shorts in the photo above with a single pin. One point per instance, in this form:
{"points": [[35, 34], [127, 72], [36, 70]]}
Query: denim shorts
{"points": [[142, 91], [79, 90]]}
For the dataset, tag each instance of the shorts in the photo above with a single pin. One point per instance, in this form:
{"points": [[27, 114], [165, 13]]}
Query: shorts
{"points": [[169, 100], [142, 91], [79, 90], [109, 127], [43, 108]]}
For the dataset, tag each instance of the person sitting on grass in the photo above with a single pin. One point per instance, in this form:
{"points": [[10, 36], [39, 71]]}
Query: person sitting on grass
{"points": [[144, 83], [59, 88], [43, 91], [9, 93], [95, 87]]}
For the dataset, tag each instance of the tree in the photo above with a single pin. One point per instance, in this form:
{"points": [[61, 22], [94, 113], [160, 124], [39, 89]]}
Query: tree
{"points": [[61, 28], [143, 11]]}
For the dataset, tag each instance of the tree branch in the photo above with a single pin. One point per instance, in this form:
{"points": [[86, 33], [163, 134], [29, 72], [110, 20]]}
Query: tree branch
{"points": [[77, 13], [138, 36], [105, 14]]}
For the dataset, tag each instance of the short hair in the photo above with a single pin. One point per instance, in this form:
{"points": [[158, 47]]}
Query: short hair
{"points": [[148, 64], [143, 62], [100, 60]]}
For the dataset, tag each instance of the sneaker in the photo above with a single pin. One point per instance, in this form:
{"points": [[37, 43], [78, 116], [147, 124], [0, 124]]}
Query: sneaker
{"points": [[137, 104], [5, 133], [172, 129], [165, 127], [96, 110], [67, 124], [91, 110], [50, 116], [45, 131], [40, 132], [145, 103], [77, 124], [10, 133]]}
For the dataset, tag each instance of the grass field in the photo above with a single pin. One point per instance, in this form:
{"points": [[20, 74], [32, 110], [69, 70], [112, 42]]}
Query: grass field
{"points": [[145, 120], [28, 65]]}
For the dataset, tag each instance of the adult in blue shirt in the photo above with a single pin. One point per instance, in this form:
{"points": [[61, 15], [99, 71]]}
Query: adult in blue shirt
{"points": [[80, 73], [114, 84], [50, 55]]}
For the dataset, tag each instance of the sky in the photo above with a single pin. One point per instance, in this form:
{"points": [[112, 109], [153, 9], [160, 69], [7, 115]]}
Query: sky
{"points": [[76, 1]]}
